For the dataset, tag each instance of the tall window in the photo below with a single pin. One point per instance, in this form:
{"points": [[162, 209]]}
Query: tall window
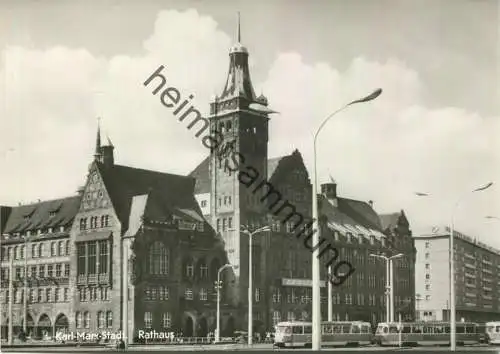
{"points": [[189, 269], [48, 294], [148, 319], [109, 319], [103, 257], [40, 250], [188, 294], [166, 320], [78, 319], [57, 294], [92, 257], [58, 270], [52, 249], [158, 259], [276, 317], [203, 294], [83, 223], [66, 246], [81, 259], [101, 319], [103, 220], [33, 251], [204, 270], [86, 319], [60, 248]]}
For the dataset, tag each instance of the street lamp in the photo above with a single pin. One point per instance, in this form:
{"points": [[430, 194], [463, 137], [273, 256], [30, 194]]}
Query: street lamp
{"points": [[453, 321], [245, 230], [389, 283], [316, 290], [218, 286]]}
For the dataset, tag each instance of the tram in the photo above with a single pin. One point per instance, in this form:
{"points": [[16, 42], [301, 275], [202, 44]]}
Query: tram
{"points": [[493, 332], [425, 333], [299, 334]]}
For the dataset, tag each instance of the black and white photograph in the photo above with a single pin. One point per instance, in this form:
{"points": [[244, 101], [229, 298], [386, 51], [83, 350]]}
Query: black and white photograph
{"points": [[268, 175]]}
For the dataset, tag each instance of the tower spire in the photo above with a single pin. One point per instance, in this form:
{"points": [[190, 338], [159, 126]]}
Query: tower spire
{"points": [[97, 153], [239, 29]]}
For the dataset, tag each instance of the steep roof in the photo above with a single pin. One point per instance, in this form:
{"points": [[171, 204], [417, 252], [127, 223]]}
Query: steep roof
{"points": [[41, 215], [201, 172], [123, 183], [389, 221], [351, 212]]}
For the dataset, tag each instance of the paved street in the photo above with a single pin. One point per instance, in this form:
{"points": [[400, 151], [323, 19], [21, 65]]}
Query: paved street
{"points": [[256, 347]]}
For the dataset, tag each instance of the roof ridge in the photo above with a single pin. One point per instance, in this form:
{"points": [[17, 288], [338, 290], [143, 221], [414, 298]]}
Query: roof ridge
{"points": [[44, 201], [153, 171]]}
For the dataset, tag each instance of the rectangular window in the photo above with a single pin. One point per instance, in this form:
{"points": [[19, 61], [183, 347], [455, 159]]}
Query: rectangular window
{"points": [[92, 257], [58, 270], [53, 249], [66, 270], [109, 319], [148, 320], [66, 295], [167, 320], [40, 295], [188, 294], [48, 294], [103, 257], [203, 294], [50, 273], [81, 259], [33, 251], [57, 295]]}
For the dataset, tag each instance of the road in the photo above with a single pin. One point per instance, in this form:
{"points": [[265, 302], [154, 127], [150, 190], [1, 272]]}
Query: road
{"points": [[256, 347]]}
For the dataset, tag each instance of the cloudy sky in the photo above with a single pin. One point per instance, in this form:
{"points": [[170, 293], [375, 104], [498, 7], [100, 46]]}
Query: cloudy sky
{"points": [[432, 130]]}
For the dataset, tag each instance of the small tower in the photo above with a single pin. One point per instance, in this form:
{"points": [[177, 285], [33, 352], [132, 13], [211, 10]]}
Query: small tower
{"points": [[97, 154], [107, 154]]}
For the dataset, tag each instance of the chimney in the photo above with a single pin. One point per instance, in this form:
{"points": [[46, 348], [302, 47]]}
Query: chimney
{"points": [[329, 190], [371, 203]]}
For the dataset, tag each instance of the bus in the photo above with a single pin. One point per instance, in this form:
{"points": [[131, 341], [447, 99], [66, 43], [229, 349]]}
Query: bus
{"points": [[493, 332], [425, 333], [299, 334]]}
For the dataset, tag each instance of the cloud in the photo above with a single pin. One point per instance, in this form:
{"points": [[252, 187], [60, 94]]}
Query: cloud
{"points": [[383, 150]]}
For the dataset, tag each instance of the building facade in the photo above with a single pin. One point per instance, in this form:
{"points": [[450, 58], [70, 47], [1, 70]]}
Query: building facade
{"points": [[239, 186], [477, 277], [142, 249]]}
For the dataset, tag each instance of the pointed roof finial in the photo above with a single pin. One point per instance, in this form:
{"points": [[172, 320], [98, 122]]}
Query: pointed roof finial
{"points": [[239, 30], [109, 141], [98, 138]]}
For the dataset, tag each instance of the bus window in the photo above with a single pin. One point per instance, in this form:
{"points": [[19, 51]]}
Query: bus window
{"points": [[490, 329], [470, 329], [428, 330], [365, 329], [346, 328], [380, 329], [327, 329], [337, 329], [417, 329], [308, 330], [447, 329], [406, 329], [438, 329], [297, 330], [386, 330], [355, 329], [393, 329], [460, 329], [283, 329]]}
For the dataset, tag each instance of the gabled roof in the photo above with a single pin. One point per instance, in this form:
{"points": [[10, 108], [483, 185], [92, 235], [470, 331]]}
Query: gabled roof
{"points": [[389, 221], [42, 215], [351, 213], [167, 190], [202, 176]]}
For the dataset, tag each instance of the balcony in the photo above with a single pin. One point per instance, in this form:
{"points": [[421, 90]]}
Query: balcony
{"points": [[487, 271], [470, 266], [103, 278], [82, 279], [487, 262]]}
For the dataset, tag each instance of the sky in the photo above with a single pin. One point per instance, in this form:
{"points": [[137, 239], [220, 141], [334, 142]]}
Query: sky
{"points": [[432, 130]]}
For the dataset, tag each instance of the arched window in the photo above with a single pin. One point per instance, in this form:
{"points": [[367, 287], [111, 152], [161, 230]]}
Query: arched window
{"points": [[158, 259], [78, 319], [100, 319]]}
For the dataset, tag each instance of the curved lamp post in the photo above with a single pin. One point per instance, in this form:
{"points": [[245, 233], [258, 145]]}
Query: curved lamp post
{"points": [[453, 320], [245, 230], [316, 292], [218, 286]]}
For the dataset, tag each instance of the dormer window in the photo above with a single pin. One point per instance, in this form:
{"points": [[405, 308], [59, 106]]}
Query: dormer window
{"points": [[52, 214], [50, 230], [203, 203], [39, 232], [28, 233], [26, 217], [61, 229]]}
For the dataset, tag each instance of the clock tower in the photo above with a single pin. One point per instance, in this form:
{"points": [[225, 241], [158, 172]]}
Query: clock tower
{"points": [[240, 119]]}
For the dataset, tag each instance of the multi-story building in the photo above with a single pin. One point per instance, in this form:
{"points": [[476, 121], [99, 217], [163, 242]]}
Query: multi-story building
{"points": [[237, 186], [146, 247], [477, 277]]}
